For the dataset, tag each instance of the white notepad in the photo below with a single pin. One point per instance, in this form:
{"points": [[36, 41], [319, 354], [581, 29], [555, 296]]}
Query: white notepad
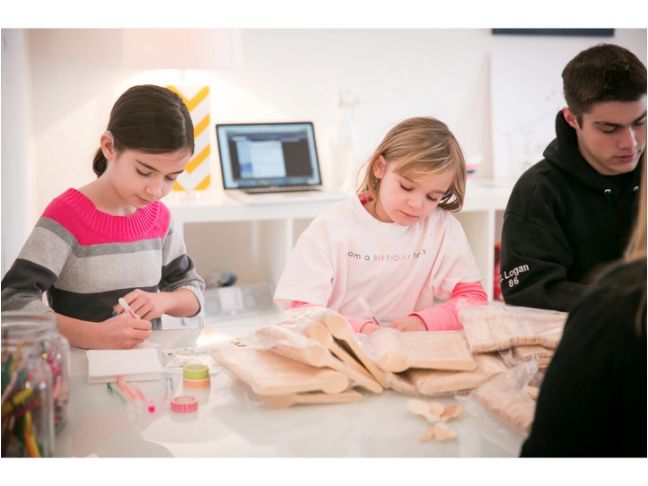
{"points": [[139, 364]]}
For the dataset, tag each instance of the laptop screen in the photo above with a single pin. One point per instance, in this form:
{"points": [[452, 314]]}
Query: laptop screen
{"points": [[268, 155]]}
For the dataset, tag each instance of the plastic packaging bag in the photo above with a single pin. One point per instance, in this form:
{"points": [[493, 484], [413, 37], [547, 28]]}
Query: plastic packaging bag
{"points": [[503, 406], [495, 326]]}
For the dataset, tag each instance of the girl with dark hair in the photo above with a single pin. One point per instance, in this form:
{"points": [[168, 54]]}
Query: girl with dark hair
{"points": [[113, 238]]}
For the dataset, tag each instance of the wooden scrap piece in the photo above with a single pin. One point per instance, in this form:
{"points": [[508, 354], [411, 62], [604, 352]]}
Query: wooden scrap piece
{"points": [[292, 335], [443, 350], [441, 382], [268, 373], [342, 332], [312, 398]]}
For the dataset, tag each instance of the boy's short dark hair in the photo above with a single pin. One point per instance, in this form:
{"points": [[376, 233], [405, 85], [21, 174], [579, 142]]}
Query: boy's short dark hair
{"points": [[605, 72]]}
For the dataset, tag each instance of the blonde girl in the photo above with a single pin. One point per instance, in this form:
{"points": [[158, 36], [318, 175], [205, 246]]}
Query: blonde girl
{"points": [[395, 244]]}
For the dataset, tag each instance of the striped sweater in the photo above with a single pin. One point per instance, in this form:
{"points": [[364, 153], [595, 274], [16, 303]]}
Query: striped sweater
{"points": [[85, 259]]}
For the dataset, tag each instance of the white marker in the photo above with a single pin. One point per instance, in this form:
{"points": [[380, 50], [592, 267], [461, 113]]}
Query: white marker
{"points": [[365, 306], [127, 308]]}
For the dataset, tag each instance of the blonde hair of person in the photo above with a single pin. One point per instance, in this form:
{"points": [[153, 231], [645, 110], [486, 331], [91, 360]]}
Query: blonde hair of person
{"points": [[636, 249], [422, 147]]}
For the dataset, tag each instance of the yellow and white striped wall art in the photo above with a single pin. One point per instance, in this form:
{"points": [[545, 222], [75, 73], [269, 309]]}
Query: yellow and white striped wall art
{"points": [[196, 176]]}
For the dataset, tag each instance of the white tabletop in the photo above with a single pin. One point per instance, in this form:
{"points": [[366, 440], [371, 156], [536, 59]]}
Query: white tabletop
{"points": [[230, 423]]}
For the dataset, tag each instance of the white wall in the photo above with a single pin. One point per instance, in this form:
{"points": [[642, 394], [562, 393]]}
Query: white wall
{"points": [[76, 75], [17, 183]]}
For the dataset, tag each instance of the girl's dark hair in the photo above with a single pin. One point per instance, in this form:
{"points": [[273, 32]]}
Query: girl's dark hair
{"points": [[148, 118]]}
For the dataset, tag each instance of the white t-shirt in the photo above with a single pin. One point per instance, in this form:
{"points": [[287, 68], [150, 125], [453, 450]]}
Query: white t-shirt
{"points": [[345, 253]]}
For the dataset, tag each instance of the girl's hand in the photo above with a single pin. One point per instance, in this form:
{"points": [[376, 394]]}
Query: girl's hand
{"points": [[409, 323], [121, 332], [369, 327], [147, 305]]}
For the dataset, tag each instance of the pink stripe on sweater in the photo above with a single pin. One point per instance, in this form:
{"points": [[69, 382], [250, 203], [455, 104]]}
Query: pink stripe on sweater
{"points": [[78, 214]]}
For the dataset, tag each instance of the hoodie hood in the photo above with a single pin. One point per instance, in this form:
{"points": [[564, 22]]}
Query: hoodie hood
{"points": [[564, 154]]}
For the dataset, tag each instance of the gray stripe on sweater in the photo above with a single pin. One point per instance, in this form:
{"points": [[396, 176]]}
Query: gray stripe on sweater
{"points": [[116, 271], [46, 248]]}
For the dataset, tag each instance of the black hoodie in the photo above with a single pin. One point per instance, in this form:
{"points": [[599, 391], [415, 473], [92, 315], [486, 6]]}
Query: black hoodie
{"points": [[563, 222]]}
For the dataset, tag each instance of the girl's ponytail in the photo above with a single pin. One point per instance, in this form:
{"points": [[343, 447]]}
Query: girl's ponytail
{"points": [[99, 163]]}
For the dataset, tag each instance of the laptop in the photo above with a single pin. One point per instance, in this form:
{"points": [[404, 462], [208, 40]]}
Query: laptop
{"points": [[266, 163]]}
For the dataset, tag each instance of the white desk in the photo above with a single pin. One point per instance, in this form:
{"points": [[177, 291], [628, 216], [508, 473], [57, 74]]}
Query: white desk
{"points": [[228, 425]]}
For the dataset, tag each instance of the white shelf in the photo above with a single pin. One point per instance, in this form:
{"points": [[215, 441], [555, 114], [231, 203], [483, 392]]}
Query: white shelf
{"points": [[255, 241]]}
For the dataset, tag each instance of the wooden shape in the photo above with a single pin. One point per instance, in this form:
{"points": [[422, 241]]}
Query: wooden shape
{"points": [[443, 350], [513, 407], [284, 401], [288, 341], [442, 382], [400, 383], [419, 407], [387, 350], [453, 410], [342, 332], [309, 321], [439, 431], [268, 373], [495, 327]]}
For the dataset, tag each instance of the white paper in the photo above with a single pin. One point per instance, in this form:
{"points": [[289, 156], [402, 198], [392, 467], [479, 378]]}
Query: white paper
{"points": [[132, 364]]}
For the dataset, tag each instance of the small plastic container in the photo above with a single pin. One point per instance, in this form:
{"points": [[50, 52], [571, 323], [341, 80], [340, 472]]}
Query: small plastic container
{"points": [[27, 401], [238, 300]]}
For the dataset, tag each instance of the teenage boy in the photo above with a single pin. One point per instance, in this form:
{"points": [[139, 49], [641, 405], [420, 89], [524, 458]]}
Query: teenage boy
{"points": [[572, 212]]}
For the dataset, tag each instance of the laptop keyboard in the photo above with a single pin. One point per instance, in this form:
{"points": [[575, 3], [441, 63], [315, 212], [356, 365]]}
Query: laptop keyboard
{"points": [[270, 190]]}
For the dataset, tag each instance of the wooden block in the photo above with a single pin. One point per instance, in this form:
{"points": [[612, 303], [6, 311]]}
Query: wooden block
{"points": [[268, 373], [284, 401]]}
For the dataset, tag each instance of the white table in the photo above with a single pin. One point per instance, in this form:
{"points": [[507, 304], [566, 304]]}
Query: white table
{"points": [[228, 424]]}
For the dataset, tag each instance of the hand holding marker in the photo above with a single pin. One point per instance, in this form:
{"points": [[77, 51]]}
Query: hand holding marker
{"points": [[127, 308], [365, 307]]}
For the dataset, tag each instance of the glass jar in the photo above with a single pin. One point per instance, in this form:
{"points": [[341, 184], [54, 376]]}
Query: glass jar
{"points": [[21, 330], [27, 404]]}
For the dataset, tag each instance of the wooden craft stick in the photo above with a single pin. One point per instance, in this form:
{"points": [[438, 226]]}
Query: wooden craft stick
{"points": [[321, 333], [288, 342], [340, 329], [387, 350], [284, 401], [268, 373]]}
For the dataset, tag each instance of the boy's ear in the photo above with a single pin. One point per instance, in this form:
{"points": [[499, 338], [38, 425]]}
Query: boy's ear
{"points": [[379, 167], [107, 144], [570, 118]]}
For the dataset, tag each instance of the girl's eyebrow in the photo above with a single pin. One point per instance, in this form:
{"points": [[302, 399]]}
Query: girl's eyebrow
{"points": [[416, 184], [154, 169]]}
